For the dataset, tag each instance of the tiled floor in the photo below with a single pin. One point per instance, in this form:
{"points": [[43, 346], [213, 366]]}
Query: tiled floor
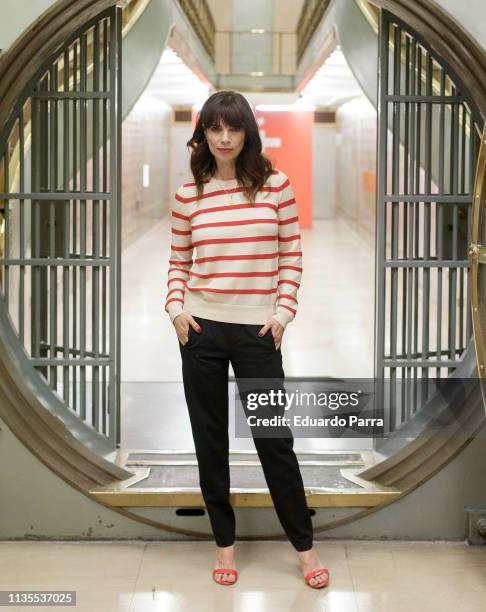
{"points": [[176, 577], [332, 334]]}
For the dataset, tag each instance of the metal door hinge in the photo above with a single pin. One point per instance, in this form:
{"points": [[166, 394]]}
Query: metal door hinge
{"points": [[477, 252]]}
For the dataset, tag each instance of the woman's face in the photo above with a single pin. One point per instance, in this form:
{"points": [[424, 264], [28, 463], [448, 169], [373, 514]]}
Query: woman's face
{"points": [[225, 142]]}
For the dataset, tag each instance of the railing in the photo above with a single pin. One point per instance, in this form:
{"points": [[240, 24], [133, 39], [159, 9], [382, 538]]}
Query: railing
{"points": [[257, 52]]}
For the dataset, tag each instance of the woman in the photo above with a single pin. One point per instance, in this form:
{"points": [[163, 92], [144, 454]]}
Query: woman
{"points": [[225, 308]]}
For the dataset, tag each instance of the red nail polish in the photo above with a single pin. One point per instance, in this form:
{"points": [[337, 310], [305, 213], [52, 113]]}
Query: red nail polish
{"points": [[260, 333]]}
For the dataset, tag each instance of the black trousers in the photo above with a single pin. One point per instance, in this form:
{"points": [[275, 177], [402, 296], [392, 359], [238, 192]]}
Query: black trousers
{"points": [[205, 361]]}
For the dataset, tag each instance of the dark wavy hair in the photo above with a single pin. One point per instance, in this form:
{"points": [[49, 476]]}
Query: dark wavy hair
{"points": [[252, 167]]}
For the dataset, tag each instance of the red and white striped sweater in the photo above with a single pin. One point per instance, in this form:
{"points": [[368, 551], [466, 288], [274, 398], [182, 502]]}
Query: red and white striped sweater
{"points": [[235, 261]]}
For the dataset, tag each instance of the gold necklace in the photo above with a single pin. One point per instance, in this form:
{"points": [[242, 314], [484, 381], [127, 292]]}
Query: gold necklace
{"points": [[226, 190]]}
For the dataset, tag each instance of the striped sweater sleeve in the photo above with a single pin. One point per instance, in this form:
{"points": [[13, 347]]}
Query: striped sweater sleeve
{"points": [[289, 256], [180, 260]]}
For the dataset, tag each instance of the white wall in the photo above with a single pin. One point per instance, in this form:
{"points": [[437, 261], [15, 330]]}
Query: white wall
{"points": [[356, 155], [324, 172], [145, 142], [180, 154]]}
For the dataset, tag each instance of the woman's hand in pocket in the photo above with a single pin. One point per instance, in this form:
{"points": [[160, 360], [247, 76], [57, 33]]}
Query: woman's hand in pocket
{"points": [[276, 329], [181, 323]]}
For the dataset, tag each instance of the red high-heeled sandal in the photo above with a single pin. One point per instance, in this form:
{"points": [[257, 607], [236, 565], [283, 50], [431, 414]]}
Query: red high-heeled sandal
{"points": [[225, 570], [317, 572]]}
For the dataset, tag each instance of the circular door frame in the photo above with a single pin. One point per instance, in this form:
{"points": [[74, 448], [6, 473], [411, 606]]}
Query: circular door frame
{"points": [[17, 66]]}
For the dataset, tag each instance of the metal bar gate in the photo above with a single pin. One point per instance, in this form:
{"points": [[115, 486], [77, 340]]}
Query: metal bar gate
{"points": [[428, 141], [60, 201]]}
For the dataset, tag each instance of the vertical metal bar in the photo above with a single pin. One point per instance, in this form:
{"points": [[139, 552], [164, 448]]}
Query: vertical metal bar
{"points": [[440, 221], [394, 220], [427, 225], [411, 217], [37, 134], [37, 311], [75, 65], [66, 139], [65, 269], [380, 237], [406, 206], [115, 220], [463, 150], [34, 128], [83, 168], [418, 144], [22, 227], [41, 180], [52, 294], [104, 240], [74, 205], [463, 247], [95, 231], [454, 188], [472, 156], [45, 184], [3, 202], [6, 234]]}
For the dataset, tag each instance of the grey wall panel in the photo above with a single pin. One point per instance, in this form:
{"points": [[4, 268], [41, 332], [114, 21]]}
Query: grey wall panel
{"points": [[359, 44], [142, 47], [17, 16]]}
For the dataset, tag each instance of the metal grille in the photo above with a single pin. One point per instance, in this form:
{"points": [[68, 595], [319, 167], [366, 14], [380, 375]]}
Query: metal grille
{"points": [[60, 199], [428, 138]]}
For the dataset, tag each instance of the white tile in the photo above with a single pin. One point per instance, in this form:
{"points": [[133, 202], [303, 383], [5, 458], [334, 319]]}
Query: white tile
{"points": [[366, 576]]}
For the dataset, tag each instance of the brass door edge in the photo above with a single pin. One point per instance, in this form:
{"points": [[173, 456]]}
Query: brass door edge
{"points": [[477, 256], [316, 498]]}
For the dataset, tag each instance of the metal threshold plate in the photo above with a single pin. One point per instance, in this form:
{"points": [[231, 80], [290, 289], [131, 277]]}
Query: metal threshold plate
{"points": [[170, 478]]}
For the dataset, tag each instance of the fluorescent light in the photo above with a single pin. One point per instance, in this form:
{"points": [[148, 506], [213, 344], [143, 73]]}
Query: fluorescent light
{"points": [[333, 83], [175, 82], [146, 175]]}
